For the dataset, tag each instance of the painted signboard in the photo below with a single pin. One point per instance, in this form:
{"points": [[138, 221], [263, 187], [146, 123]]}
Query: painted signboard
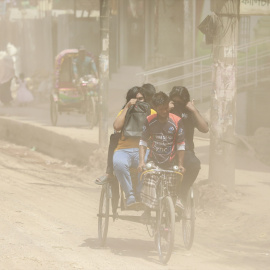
{"points": [[254, 7]]}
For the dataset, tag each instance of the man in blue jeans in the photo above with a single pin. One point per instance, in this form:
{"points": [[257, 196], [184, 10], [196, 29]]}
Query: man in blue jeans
{"points": [[126, 154]]}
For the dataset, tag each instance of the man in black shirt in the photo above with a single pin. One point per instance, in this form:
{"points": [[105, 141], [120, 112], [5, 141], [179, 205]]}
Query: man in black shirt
{"points": [[181, 106], [163, 134]]}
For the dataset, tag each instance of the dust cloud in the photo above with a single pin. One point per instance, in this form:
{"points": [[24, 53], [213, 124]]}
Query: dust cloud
{"points": [[49, 201]]}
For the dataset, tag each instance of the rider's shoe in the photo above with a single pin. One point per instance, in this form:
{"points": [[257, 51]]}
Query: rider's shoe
{"points": [[130, 200], [103, 179], [179, 203]]}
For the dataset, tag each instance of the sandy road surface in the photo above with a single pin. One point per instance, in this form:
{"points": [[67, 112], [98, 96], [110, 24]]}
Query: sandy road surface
{"points": [[48, 221]]}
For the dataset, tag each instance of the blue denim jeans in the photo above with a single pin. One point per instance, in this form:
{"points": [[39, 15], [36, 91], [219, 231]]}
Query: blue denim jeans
{"points": [[124, 159]]}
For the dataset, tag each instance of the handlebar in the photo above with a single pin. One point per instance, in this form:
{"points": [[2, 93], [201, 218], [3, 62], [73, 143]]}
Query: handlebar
{"points": [[152, 166], [157, 169], [161, 170]]}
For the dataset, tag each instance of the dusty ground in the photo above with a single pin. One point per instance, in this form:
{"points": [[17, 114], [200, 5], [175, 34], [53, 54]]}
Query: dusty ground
{"points": [[48, 220]]}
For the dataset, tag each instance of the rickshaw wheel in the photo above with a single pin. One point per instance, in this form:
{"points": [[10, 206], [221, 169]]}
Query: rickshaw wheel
{"points": [[188, 222], [54, 112], [91, 112], [103, 214], [164, 238]]}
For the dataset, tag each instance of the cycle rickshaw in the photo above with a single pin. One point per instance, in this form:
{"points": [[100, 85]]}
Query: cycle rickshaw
{"points": [[71, 95], [161, 226]]}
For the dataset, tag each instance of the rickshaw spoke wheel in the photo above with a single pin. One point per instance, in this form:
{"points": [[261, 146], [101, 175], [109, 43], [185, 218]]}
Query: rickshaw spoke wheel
{"points": [[188, 222], [165, 230], [54, 112], [103, 215]]}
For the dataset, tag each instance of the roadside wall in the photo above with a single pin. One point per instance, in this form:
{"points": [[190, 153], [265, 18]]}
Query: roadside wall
{"points": [[46, 141]]}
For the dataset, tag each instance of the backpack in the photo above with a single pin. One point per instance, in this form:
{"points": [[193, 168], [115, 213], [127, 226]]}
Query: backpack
{"points": [[135, 119]]}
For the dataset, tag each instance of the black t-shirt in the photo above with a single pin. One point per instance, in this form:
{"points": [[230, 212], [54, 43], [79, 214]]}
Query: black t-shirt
{"points": [[189, 126]]}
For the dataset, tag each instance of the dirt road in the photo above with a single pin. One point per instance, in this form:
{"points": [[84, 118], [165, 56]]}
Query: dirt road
{"points": [[48, 220]]}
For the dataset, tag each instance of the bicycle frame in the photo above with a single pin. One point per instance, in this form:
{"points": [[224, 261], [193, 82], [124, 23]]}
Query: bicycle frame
{"points": [[163, 228], [162, 225]]}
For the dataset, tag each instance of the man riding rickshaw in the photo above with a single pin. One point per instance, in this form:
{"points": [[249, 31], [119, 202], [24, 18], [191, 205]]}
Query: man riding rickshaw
{"points": [[155, 190], [83, 65]]}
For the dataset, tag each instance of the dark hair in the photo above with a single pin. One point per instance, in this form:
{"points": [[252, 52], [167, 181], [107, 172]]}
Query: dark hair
{"points": [[182, 92], [160, 98], [149, 90], [132, 93]]}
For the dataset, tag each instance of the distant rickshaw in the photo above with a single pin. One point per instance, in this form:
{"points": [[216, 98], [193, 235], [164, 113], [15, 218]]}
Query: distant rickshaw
{"points": [[72, 93]]}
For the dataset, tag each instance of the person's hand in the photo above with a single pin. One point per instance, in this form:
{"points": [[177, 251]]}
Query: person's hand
{"points": [[131, 102], [141, 167], [171, 105], [182, 169], [190, 106]]}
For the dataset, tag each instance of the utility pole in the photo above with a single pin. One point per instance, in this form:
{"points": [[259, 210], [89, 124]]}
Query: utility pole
{"points": [[188, 36], [104, 72], [223, 98]]}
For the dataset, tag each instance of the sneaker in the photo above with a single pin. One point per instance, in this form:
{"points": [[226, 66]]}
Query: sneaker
{"points": [[130, 200], [102, 179], [179, 204]]}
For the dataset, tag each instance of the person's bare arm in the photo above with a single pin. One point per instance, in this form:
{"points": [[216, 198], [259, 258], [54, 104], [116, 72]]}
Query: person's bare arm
{"points": [[180, 155], [142, 151], [201, 124], [120, 119], [171, 105]]}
